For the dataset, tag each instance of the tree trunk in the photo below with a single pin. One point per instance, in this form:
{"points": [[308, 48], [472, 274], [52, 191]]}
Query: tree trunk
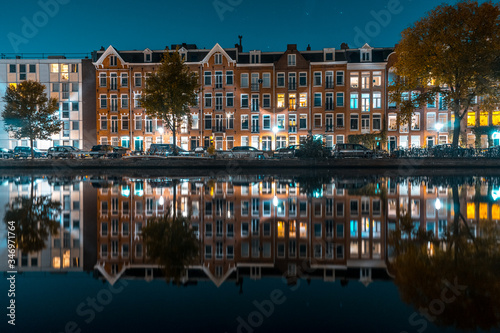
{"points": [[456, 217], [456, 129], [31, 147], [174, 128]]}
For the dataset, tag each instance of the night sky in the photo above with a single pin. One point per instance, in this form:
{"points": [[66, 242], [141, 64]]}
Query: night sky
{"points": [[74, 26]]}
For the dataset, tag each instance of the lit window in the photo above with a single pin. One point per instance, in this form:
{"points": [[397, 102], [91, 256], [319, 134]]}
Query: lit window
{"points": [[281, 229], [495, 118], [495, 212], [471, 119], [483, 211], [471, 210], [483, 118], [303, 100], [54, 68], [291, 60], [354, 80]]}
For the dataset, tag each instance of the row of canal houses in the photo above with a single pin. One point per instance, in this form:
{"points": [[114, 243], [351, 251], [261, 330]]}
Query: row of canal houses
{"points": [[248, 227], [263, 99]]}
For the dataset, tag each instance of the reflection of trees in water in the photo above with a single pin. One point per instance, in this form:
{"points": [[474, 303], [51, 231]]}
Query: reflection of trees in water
{"points": [[452, 281], [35, 219], [172, 244]]}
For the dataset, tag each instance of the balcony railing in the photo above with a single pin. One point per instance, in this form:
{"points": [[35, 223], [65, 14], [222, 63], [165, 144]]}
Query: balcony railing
{"points": [[219, 129], [329, 105], [329, 84], [292, 85], [329, 128], [255, 129], [292, 129], [292, 107], [255, 86]]}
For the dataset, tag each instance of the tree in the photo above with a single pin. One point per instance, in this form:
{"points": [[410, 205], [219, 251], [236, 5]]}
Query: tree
{"points": [[171, 243], [453, 51], [29, 113], [36, 218], [170, 92]]}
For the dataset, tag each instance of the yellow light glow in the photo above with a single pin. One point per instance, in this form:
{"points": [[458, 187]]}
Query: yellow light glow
{"points": [[66, 259], [483, 118], [303, 100], [303, 230], [54, 68], [291, 228], [471, 210], [495, 212], [281, 229], [281, 100], [13, 85], [56, 262], [471, 119], [495, 118], [483, 211]]}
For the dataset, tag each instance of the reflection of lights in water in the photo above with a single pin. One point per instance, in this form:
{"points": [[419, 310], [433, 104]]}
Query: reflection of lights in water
{"points": [[495, 193], [438, 204], [161, 201], [126, 191], [275, 201]]}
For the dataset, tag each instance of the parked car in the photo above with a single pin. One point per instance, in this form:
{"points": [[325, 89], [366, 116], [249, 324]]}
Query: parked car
{"points": [[198, 151], [108, 151], [289, 151], [6, 153], [25, 152], [66, 152], [165, 149], [352, 150], [246, 152]]}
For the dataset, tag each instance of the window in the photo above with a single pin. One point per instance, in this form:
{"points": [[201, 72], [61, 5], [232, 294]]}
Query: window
{"points": [[137, 79], [266, 101], [329, 80], [255, 102], [365, 102], [244, 80], [229, 78], [74, 87], [303, 100], [76, 125], [365, 80], [377, 122], [291, 60], [55, 87], [340, 99], [124, 80], [317, 78], [244, 122], [230, 124], [292, 81], [317, 99], [377, 100], [74, 68], [124, 123], [365, 55], [229, 99], [354, 101], [102, 80], [431, 121], [114, 102], [113, 81], [218, 59], [340, 78], [104, 123], [365, 122], [208, 100], [377, 79], [339, 120], [354, 80], [195, 122], [281, 101], [244, 101], [317, 121], [354, 122], [218, 79], [104, 102], [12, 68], [266, 80], [112, 60], [207, 78], [280, 80], [292, 102], [208, 121], [303, 121], [415, 122], [218, 101], [302, 79], [137, 101], [138, 122], [124, 101]]}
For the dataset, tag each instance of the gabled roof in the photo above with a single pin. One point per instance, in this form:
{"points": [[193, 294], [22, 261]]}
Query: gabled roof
{"points": [[109, 51], [217, 48]]}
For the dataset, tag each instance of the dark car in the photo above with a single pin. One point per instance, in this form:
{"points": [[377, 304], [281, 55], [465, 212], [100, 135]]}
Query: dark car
{"points": [[108, 151], [6, 153], [25, 152], [65, 152], [165, 149], [290, 151], [247, 151], [352, 150]]}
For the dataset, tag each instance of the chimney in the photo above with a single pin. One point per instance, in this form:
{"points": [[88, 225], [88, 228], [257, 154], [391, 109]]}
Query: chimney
{"points": [[291, 47], [240, 47], [308, 47], [344, 46]]}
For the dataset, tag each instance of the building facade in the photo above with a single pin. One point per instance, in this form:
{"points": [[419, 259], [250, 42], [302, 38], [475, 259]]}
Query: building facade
{"points": [[262, 99], [71, 82]]}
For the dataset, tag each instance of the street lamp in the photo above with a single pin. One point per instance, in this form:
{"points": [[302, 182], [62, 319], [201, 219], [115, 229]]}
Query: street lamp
{"points": [[275, 131], [439, 127]]}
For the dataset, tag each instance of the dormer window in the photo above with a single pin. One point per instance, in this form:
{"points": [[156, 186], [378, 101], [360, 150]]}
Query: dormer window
{"points": [[365, 55], [218, 59], [112, 60], [148, 57], [255, 57], [291, 60], [329, 54]]}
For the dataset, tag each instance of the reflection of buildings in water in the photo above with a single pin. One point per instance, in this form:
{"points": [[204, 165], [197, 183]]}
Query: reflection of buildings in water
{"points": [[65, 251], [255, 228]]}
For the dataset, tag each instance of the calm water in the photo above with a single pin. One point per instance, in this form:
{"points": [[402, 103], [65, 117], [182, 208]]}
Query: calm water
{"points": [[272, 254]]}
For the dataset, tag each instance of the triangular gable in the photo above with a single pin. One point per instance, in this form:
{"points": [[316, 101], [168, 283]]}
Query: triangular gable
{"points": [[218, 281], [109, 51], [111, 279], [147, 50], [366, 47], [217, 48]]}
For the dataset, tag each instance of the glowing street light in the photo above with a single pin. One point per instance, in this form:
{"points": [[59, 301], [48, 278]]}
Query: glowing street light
{"points": [[438, 204], [160, 130], [275, 131], [275, 201], [439, 127]]}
